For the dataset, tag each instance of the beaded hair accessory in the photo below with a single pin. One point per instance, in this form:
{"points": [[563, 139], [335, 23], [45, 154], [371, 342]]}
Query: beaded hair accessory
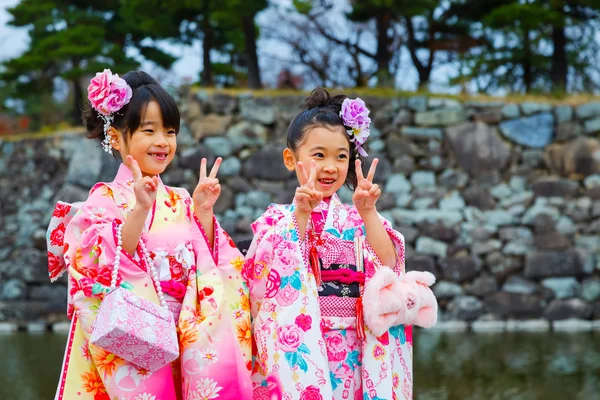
{"points": [[108, 94], [355, 115]]}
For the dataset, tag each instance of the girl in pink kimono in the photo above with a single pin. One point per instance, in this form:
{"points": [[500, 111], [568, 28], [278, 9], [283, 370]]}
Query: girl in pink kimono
{"points": [[158, 234], [332, 308]]}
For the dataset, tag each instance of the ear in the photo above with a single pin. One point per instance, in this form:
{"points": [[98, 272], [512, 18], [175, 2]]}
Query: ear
{"points": [[289, 159], [116, 139]]}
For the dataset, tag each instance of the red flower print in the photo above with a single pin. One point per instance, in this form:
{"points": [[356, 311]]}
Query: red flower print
{"points": [[176, 268], [55, 265], [304, 321], [57, 236], [61, 210], [84, 284], [105, 275], [311, 393]]}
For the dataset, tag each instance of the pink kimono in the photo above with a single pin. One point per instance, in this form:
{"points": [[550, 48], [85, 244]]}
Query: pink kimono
{"points": [[204, 290], [306, 342]]}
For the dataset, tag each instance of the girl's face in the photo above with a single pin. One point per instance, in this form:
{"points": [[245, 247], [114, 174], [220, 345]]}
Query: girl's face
{"points": [[152, 145], [330, 149]]}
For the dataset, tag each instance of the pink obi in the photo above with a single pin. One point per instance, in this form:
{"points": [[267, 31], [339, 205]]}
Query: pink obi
{"points": [[335, 306]]}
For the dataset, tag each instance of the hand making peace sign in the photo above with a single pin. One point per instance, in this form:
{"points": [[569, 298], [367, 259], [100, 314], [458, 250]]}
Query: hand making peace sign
{"points": [[307, 198], [208, 189], [144, 187], [366, 193]]}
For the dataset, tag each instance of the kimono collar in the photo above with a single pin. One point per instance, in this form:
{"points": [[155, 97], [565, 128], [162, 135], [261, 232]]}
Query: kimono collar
{"points": [[326, 204], [124, 175]]}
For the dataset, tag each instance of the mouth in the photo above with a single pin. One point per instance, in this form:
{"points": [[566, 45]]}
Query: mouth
{"points": [[326, 182], [159, 156]]}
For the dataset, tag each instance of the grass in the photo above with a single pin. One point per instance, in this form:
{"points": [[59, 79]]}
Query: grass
{"points": [[551, 98], [43, 134]]}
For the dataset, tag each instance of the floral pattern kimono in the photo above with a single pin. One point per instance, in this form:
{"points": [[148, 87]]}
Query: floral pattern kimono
{"points": [[203, 287], [306, 342]]}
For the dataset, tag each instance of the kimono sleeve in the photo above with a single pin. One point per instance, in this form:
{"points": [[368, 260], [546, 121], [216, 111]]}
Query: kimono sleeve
{"points": [[277, 220], [398, 242], [91, 242]]}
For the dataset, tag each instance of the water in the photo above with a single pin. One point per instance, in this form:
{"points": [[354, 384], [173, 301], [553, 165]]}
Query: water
{"points": [[448, 366]]}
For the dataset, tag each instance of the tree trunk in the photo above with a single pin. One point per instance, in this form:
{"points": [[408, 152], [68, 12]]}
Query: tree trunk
{"points": [[559, 59], [206, 76], [424, 71], [77, 101], [527, 66], [254, 81], [383, 55]]}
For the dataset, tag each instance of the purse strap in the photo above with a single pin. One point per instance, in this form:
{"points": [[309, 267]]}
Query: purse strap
{"points": [[149, 263]]}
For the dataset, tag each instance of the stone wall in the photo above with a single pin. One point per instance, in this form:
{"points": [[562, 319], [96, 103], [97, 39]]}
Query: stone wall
{"points": [[500, 201]]}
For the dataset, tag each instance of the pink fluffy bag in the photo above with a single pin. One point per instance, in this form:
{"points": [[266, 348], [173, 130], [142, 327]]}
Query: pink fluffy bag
{"points": [[389, 301]]}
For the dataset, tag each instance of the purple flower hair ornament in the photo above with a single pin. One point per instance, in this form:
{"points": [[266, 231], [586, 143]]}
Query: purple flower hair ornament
{"points": [[355, 115]]}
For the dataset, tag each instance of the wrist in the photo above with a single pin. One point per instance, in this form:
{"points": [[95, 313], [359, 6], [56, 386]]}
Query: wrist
{"points": [[203, 212], [368, 213], [139, 209]]}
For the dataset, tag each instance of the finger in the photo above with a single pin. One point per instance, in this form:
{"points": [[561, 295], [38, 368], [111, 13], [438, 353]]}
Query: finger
{"points": [[155, 180], [313, 171], [318, 196], [361, 193], [374, 190], [203, 168], [150, 185], [135, 168], [371, 174], [202, 186], [215, 168], [302, 198], [216, 188], [302, 176], [211, 181], [358, 168]]}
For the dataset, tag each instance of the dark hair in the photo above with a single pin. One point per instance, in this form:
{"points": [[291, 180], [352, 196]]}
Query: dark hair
{"points": [[145, 89], [321, 109]]}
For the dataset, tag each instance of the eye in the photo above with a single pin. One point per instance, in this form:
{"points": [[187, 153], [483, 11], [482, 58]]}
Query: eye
{"points": [[318, 155], [171, 132], [342, 156], [148, 131]]}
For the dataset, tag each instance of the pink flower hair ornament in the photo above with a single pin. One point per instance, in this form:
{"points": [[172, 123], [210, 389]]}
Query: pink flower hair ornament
{"points": [[108, 93], [355, 115]]}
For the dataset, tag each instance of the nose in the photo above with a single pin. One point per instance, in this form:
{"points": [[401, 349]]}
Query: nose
{"points": [[329, 168], [161, 141]]}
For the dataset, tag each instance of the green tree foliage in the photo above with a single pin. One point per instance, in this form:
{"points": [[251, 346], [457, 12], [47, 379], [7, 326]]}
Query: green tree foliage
{"points": [[529, 45], [72, 40], [226, 28]]}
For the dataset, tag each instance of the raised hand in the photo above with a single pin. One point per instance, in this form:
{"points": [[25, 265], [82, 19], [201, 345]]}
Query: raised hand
{"points": [[307, 198], [144, 187], [366, 193], [208, 189]]}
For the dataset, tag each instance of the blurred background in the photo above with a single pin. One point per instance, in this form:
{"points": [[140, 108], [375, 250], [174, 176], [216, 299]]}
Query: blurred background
{"points": [[486, 121]]}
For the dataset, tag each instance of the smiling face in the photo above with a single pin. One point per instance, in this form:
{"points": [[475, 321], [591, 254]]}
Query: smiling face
{"points": [[152, 144], [330, 149]]}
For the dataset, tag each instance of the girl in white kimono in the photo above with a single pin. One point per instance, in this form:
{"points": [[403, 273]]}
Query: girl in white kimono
{"points": [[332, 307]]}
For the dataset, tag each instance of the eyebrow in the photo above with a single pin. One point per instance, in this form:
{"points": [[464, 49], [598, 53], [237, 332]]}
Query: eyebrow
{"points": [[323, 148], [148, 123]]}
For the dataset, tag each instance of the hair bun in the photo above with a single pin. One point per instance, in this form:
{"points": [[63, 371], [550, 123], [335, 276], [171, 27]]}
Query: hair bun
{"points": [[320, 97]]}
